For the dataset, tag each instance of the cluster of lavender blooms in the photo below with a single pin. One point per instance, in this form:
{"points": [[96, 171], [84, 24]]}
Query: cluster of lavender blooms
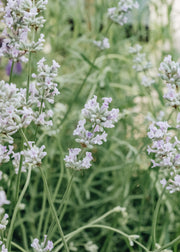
{"points": [[3, 216], [32, 157], [3, 248], [19, 107], [45, 246], [166, 146], [104, 44], [170, 73], [17, 113], [91, 131], [21, 18], [90, 246], [141, 64], [119, 14]]}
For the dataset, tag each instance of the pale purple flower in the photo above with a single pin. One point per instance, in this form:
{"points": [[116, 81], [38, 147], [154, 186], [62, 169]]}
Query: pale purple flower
{"points": [[104, 44], [72, 160], [90, 131], [158, 132], [170, 71], [174, 185], [46, 88], [146, 81], [4, 222], [136, 49], [17, 69], [45, 246], [3, 248], [119, 14], [3, 200], [32, 157], [100, 115], [5, 153]]}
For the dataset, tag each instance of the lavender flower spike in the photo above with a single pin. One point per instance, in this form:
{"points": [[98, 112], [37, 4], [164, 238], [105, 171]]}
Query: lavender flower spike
{"points": [[45, 246], [73, 162]]}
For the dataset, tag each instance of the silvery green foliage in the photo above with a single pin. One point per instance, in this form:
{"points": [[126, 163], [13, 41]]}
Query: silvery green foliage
{"points": [[45, 246], [119, 13], [91, 131], [21, 17]]}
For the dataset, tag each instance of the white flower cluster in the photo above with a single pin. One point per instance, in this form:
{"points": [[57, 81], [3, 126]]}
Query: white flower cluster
{"points": [[119, 14], [3, 217], [90, 131], [3, 248], [32, 157], [4, 222], [45, 246], [45, 88], [102, 45], [3, 200], [141, 64], [165, 146], [170, 72], [21, 18]]}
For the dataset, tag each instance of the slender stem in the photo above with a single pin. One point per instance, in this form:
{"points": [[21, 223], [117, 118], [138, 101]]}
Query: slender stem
{"points": [[17, 246], [10, 233], [90, 224], [57, 186], [69, 236], [168, 244], [155, 216], [42, 214], [25, 138], [66, 194], [54, 213], [18, 177], [23, 231], [11, 72], [28, 76]]}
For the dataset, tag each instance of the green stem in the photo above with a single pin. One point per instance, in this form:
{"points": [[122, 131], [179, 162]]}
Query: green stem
{"points": [[57, 186], [11, 73], [53, 209], [25, 138], [69, 236], [65, 197], [17, 246], [28, 76], [18, 178], [10, 233], [168, 244], [155, 216], [42, 215], [90, 224]]}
